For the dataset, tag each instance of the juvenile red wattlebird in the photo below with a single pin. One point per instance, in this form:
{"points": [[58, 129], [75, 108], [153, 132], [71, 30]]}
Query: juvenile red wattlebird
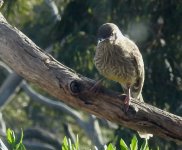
{"points": [[118, 58]]}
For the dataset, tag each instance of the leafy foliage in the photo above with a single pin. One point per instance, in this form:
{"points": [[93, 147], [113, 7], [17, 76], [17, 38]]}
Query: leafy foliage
{"points": [[13, 142], [68, 145]]}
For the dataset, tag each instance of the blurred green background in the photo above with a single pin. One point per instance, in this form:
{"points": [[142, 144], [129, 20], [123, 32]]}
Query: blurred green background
{"points": [[155, 26]]}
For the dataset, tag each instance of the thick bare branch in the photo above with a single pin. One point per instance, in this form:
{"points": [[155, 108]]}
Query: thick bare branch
{"points": [[91, 127], [35, 65]]}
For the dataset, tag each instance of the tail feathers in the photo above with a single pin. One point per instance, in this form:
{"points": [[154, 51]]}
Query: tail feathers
{"points": [[145, 135], [138, 97], [141, 98]]}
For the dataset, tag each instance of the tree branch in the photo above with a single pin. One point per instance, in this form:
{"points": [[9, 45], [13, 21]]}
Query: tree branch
{"points": [[35, 65], [91, 127]]}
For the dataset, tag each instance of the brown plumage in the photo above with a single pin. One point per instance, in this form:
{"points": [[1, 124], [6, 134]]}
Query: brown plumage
{"points": [[119, 59]]}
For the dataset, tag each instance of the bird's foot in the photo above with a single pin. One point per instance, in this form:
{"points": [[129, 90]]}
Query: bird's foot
{"points": [[126, 103]]}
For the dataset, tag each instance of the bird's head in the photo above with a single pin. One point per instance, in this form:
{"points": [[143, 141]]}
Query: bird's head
{"points": [[108, 31]]}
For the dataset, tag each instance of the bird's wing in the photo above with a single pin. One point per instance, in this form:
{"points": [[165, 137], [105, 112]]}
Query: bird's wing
{"points": [[135, 55], [138, 61], [139, 66]]}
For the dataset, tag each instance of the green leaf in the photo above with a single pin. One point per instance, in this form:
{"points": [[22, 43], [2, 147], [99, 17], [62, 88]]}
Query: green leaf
{"points": [[70, 146], [145, 145], [22, 147], [21, 138], [134, 143], [77, 143], [123, 145], [65, 144], [111, 147], [10, 135], [17, 146]]}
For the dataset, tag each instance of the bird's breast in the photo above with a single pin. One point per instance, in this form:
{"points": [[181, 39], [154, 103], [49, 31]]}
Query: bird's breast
{"points": [[114, 63]]}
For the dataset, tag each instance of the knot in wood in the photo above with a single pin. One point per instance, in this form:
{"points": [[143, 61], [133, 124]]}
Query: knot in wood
{"points": [[75, 87]]}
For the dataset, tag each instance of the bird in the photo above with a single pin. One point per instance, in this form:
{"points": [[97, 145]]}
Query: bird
{"points": [[118, 58]]}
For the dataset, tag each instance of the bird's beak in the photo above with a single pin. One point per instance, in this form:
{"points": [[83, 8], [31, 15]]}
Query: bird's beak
{"points": [[101, 40], [111, 38]]}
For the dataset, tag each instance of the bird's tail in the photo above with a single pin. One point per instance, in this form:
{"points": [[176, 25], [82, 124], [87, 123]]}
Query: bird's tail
{"points": [[137, 96], [141, 98], [144, 135]]}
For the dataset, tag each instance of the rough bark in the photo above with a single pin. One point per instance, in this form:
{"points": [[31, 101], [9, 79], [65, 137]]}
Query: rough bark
{"points": [[35, 65]]}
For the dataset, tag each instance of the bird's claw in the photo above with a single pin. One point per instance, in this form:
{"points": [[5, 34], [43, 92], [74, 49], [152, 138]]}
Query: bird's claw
{"points": [[126, 103]]}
